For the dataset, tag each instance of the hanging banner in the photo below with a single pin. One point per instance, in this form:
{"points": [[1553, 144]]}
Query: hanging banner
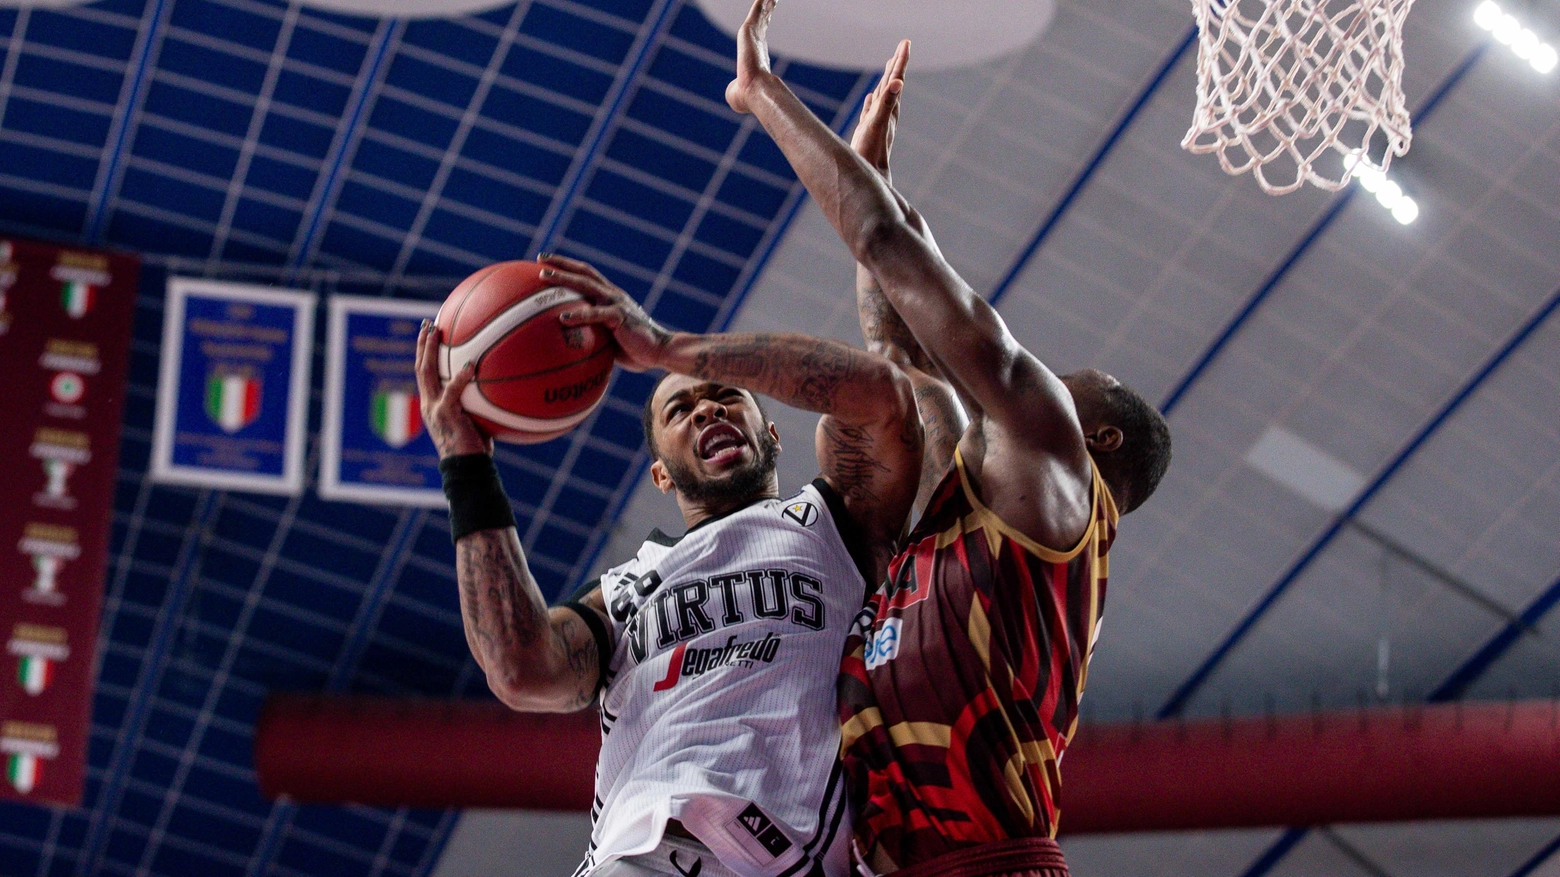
{"points": [[373, 447], [233, 394], [65, 320]]}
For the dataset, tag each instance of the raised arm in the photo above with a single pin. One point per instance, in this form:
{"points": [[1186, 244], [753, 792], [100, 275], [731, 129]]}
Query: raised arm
{"points": [[943, 418], [962, 334], [535, 659], [869, 440]]}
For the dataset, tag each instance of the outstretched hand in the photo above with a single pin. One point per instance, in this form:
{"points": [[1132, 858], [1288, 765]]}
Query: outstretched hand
{"points": [[450, 427], [874, 137], [641, 341], [752, 55]]}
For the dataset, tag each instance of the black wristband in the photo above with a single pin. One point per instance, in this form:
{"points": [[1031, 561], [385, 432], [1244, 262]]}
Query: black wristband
{"points": [[476, 496]]}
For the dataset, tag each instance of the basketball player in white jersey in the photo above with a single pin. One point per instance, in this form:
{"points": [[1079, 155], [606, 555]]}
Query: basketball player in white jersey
{"points": [[715, 653]]}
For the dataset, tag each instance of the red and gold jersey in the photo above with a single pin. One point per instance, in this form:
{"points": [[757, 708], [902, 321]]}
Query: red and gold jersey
{"points": [[961, 679]]}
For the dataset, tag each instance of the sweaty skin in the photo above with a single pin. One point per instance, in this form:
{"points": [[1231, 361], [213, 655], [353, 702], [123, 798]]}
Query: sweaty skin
{"points": [[1026, 447], [545, 660]]}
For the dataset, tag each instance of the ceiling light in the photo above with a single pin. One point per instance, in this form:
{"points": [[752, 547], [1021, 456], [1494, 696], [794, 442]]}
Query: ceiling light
{"points": [[1388, 193], [1525, 44], [1507, 30], [1369, 175], [1487, 14], [1544, 58]]}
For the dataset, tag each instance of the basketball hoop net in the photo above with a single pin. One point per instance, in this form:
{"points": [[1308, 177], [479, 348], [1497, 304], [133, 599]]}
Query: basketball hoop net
{"points": [[1295, 90]]}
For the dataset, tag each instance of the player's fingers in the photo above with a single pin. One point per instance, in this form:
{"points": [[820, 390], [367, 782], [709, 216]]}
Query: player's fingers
{"points": [[894, 76], [458, 382], [574, 265], [610, 316], [427, 362], [595, 291], [759, 10]]}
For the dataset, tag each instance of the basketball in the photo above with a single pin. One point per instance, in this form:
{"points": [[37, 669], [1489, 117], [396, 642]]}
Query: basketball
{"points": [[536, 378]]}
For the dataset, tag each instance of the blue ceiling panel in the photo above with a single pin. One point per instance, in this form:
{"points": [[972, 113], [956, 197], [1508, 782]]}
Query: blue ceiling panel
{"points": [[605, 38], [330, 49], [285, 145], [102, 41], [457, 43], [311, 92], [575, 77], [66, 77], [438, 82], [241, 24]]}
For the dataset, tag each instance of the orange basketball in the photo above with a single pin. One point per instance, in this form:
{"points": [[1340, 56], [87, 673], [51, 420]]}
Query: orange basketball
{"points": [[536, 378]]}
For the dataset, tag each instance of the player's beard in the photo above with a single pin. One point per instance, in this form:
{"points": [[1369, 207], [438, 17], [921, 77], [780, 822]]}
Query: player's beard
{"points": [[747, 481]]}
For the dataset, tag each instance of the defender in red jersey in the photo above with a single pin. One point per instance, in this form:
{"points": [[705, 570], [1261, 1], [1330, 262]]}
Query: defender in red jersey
{"points": [[961, 689]]}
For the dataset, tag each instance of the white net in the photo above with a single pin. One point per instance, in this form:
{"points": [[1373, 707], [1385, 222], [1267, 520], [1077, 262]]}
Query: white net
{"points": [[1295, 91]]}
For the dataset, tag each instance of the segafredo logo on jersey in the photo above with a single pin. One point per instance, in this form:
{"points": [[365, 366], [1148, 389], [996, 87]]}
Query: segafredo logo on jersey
{"points": [[688, 662]]}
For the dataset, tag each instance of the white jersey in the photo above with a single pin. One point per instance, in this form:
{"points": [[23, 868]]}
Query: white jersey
{"points": [[720, 706]]}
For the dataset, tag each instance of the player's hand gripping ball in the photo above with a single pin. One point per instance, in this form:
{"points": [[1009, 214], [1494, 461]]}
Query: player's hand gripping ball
{"points": [[536, 378]]}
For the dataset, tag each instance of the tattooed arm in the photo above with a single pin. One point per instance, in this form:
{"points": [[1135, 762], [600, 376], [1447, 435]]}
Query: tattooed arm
{"points": [[535, 659], [869, 440], [943, 418]]}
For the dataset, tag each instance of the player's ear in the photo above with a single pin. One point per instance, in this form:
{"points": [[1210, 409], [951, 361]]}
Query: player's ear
{"points": [[1103, 440], [660, 477], [774, 433]]}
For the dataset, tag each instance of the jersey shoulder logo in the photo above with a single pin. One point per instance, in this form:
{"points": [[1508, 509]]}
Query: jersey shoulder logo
{"points": [[802, 512]]}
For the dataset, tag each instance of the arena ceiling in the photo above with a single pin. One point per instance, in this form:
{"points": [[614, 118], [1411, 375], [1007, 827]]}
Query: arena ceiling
{"points": [[1413, 371]]}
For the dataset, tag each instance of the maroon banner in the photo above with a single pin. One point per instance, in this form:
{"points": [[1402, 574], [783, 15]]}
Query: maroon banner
{"points": [[65, 318]]}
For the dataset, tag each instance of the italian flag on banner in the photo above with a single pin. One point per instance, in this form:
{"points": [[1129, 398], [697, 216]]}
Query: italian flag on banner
{"points": [[77, 297], [22, 771], [233, 401], [34, 673], [396, 417]]}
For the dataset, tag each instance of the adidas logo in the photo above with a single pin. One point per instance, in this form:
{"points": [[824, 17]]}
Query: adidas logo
{"points": [[764, 830]]}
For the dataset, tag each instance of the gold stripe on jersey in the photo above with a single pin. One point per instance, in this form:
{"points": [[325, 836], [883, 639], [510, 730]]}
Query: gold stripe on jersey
{"points": [[980, 633], [921, 734]]}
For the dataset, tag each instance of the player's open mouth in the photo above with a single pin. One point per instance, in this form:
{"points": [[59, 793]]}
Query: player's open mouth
{"points": [[721, 443]]}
